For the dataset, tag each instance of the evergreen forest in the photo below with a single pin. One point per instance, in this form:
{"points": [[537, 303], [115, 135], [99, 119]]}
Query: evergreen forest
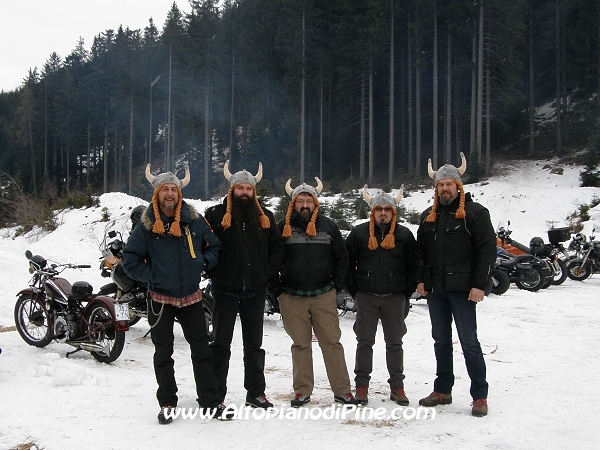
{"points": [[351, 91]]}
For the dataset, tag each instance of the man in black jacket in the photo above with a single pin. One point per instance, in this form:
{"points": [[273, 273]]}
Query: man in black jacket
{"points": [[253, 250], [380, 277], [169, 251], [312, 273], [456, 250]]}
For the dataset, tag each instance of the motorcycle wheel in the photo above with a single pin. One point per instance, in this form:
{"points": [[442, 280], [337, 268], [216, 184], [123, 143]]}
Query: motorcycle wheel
{"points": [[531, 279], [500, 282], [101, 331], [208, 304], [578, 272], [559, 278], [32, 321]]}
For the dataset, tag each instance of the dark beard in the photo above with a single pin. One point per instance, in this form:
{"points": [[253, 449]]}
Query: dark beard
{"points": [[244, 211]]}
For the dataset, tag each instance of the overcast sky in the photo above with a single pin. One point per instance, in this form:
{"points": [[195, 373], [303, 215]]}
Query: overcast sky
{"points": [[30, 30]]}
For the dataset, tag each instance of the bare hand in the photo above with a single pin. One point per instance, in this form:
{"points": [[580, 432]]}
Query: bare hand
{"points": [[421, 289], [476, 295]]}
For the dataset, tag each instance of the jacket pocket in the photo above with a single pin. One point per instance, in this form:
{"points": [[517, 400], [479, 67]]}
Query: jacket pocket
{"points": [[458, 278]]}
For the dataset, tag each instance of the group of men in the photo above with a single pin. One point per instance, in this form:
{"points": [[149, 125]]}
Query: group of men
{"points": [[305, 262]]}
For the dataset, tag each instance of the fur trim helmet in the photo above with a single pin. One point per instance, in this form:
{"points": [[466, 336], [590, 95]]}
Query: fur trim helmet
{"points": [[303, 188], [157, 182], [243, 177], [382, 198], [453, 173]]}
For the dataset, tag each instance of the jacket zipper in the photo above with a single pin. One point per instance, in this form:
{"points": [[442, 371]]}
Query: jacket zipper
{"points": [[244, 252]]}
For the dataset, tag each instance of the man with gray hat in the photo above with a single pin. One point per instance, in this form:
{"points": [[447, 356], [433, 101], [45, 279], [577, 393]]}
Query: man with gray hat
{"points": [[312, 273], [456, 251], [252, 252], [380, 277], [169, 251]]}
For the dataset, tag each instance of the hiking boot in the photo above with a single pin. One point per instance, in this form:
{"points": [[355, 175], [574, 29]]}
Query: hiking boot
{"points": [[398, 395], [221, 412], [346, 399], [362, 395], [480, 407], [299, 400], [164, 416], [436, 398], [259, 402]]}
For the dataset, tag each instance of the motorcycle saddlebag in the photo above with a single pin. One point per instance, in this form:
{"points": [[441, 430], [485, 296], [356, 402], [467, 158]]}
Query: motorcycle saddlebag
{"points": [[558, 235]]}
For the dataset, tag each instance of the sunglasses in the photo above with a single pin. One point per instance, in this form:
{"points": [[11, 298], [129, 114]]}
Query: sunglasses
{"points": [[383, 209]]}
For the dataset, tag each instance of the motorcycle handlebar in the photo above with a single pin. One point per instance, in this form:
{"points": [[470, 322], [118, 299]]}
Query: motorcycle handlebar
{"points": [[84, 266]]}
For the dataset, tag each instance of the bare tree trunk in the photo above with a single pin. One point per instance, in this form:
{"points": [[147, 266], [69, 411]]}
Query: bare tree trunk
{"points": [[168, 136], [472, 129], [411, 165], [403, 104], [531, 84], [46, 131], [105, 147], [371, 122], [231, 109], [303, 97], [418, 119], [480, 88], [207, 134], [558, 124], [89, 150], [563, 69], [488, 122], [598, 88], [435, 88], [363, 126], [30, 129], [448, 117], [392, 118], [321, 100], [131, 134]]}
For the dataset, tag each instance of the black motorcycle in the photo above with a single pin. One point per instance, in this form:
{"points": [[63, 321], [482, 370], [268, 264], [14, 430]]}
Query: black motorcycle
{"points": [[588, 261]]}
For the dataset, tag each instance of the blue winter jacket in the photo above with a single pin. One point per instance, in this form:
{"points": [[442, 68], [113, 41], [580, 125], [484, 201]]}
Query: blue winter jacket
{"points": [[165, 261]]}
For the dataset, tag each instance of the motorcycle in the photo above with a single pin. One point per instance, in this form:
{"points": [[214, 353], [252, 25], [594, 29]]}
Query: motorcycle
{"points": [[583, 266], [53, 309], [344, 301], [541, 252], [134, 294]]}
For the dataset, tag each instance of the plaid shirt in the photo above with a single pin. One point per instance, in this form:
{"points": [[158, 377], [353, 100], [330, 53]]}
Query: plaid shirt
{"points": [[179, 302]]}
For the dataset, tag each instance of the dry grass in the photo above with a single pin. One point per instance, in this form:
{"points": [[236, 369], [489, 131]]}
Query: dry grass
{"points": [[27, 446], [7, 329]]}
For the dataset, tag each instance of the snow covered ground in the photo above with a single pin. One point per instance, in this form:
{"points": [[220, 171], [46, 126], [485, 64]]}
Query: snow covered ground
{"points": [[541, 353]]}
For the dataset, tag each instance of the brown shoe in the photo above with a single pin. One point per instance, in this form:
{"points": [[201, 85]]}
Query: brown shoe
{"points": [[436, 398], [480, 407], [399, 396], [362, 395]]}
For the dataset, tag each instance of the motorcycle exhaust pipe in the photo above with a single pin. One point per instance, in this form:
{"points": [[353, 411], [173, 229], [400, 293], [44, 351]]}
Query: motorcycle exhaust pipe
{"points": [[88, 346]]}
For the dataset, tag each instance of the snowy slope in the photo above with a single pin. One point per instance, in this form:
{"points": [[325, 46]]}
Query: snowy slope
{"points": [[541, 350]]}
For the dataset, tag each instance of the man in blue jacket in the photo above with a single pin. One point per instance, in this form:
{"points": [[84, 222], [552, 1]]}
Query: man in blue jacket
{"points": [[169, 252]]}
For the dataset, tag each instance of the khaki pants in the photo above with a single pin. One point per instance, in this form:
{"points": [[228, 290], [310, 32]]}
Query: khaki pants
{"points": [[302, 315]]}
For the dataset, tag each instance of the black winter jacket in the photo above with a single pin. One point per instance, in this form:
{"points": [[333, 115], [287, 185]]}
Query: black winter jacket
{"points": [[312, 263], [381, 271], [456, 255], [250, 255], [165, 262]]}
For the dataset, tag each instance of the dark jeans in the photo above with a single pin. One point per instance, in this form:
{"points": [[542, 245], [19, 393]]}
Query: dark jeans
{"points": [[443, 306], [251, 307], [191, 319], [390, 310]]}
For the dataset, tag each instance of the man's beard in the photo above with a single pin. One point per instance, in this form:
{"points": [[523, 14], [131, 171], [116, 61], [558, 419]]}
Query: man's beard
{"points": [[305, 215], [244, 210], [447, 201]]}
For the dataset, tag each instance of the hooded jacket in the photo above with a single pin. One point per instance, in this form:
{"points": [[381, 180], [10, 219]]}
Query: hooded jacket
{"points": [[456, 255], [381, 271], [250, 255], [165, 262]]}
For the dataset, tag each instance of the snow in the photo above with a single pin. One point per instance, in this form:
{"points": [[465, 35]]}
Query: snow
{"points": [[541, 354]]}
